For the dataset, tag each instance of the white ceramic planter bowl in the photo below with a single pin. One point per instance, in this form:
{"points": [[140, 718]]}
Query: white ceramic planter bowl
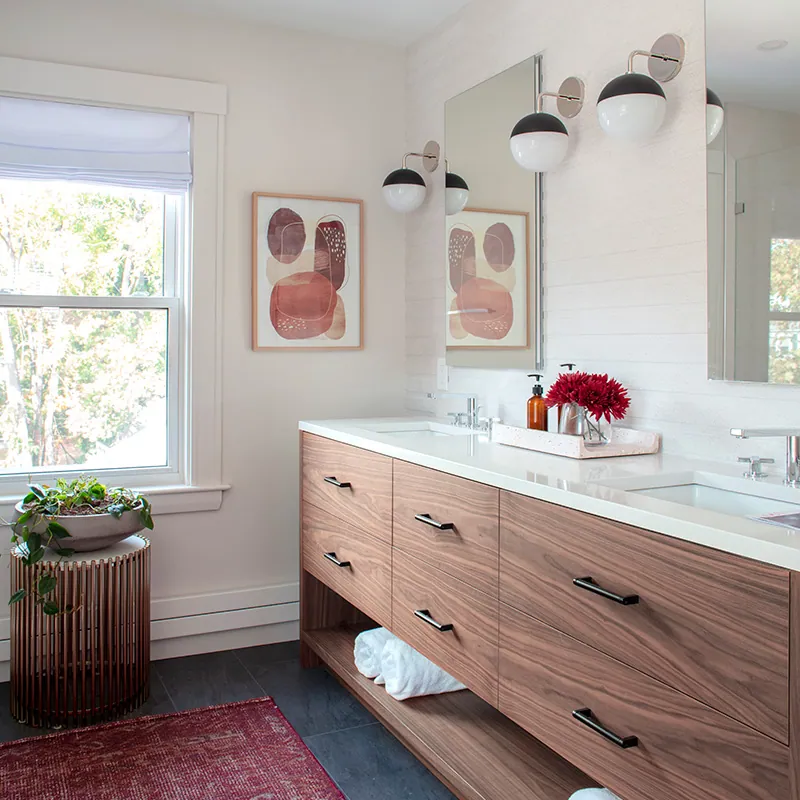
{"points": [[91, 531]]}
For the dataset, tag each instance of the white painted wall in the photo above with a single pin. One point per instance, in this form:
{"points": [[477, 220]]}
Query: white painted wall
{"points": [[625, 236], [308, 115]]}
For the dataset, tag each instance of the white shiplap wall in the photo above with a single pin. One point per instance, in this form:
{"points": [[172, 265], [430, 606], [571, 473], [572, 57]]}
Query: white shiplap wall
{"points": [[625, 246]]}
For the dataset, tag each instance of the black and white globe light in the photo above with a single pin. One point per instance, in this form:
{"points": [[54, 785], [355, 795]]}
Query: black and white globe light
{"points": [[715, 116], [633, 106], [404, 189], [456, 192], [539, 141]]}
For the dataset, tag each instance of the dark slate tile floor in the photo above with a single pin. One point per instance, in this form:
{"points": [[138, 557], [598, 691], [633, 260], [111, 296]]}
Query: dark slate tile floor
{"points": [[365, 761]]}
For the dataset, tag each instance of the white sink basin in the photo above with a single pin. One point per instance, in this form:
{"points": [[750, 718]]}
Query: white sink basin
{"points": [[417, 428], [707, 490]]}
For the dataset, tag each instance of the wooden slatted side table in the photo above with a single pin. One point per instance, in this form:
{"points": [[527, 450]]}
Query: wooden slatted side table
{"points": [[91, 665]]}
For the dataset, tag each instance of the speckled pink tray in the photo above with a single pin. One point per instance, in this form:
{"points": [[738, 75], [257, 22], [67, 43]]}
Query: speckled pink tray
{"points": [[624, 442]]}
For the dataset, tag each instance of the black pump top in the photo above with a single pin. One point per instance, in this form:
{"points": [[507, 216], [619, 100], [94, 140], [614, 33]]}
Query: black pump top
{"points": [[538, 391], [569, 366]]}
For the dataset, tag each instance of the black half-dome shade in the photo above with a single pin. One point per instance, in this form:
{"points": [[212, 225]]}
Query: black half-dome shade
{"points": [[404, 176], [453, 181], [540, 122], [712, 99], [631, 83]]}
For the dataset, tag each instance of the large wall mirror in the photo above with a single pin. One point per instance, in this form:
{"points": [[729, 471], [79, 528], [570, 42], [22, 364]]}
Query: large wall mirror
{"points": [[753, 72], [493, 282]]}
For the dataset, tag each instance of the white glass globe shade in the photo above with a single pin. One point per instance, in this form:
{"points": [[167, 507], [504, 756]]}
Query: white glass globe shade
{"points": [[715, 118], [632, 117], [404, 197], [455, 200], [539, 151]]}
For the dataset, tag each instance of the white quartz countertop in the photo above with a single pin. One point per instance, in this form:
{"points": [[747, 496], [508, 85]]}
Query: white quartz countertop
{"points": [[579, 484]]}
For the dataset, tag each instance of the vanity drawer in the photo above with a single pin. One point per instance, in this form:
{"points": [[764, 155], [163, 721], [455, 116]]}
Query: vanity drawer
{"points": [[710, 624], [466, 547], [353, 484], [366, 580], [468, 651], [685, 749]]}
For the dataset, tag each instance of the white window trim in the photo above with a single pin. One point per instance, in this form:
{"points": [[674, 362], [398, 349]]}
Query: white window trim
{"points": [[201, 486]]}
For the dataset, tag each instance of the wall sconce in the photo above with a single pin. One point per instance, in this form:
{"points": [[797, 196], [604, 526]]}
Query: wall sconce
{"points": [[456, 191], [539, 142], [633, 106], [715, 116], [404, 189]]}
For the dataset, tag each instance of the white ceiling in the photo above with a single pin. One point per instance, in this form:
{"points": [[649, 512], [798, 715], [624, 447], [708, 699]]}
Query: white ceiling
{"points": [[397, 22], [737, 70]]}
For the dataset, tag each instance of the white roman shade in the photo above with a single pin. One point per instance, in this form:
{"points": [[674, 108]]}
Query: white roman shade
{"points": [[45, 140]]}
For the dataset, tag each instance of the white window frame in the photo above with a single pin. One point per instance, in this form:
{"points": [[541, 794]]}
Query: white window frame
{"points": [[195, 483]]}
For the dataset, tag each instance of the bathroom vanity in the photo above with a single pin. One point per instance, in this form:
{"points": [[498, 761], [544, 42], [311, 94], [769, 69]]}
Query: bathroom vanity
{"points": [[607, 637]]}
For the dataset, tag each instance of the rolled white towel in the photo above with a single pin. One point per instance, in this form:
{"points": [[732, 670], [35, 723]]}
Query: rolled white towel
{"points": [[368, 649], [409, 674], [594, 794]]}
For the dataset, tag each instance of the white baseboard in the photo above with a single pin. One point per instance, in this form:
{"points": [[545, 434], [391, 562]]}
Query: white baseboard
{"points": [[206, 623]]}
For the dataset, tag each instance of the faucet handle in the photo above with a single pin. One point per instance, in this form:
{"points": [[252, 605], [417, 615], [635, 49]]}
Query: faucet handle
{"points": [[755, 465]]}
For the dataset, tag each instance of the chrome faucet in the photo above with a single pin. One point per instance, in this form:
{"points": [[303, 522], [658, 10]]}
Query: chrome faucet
{"points": [[470, 416], [792, 436]]}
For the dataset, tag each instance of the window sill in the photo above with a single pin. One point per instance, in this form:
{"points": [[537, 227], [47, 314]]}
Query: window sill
{"points": [[165, 499]]}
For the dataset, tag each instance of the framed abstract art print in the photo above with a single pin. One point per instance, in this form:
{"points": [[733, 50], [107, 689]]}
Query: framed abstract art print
{"points": [[308, 272], [487, 292]]}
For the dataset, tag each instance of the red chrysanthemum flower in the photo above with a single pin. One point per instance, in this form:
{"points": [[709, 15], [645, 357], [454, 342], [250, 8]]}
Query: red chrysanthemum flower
{"points": [[600, 395]]}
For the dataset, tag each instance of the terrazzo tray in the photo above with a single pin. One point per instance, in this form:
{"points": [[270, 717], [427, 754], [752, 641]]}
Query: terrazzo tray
{"points": [[623, 442]]}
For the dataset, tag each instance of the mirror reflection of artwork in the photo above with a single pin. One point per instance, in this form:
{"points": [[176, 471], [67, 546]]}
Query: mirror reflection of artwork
{"points": [[487, 279], [753, 66], [307, 272]]}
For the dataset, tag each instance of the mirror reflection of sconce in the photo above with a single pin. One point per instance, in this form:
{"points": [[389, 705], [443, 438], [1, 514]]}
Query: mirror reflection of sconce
{"points": [[539, 142], [633, 106], [404, 189], [456, 191], [715, 116]]}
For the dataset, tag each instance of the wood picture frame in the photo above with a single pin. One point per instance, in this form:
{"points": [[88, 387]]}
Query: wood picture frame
{"points": [[307, 272]]}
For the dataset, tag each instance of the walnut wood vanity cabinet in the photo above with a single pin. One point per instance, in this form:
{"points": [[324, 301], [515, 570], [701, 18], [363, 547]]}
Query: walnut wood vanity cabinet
{"points": [[595, 653]]}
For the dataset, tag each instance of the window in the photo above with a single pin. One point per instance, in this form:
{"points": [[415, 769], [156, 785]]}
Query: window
{"points": [[110, 245], [90, 287], [784, 311]]}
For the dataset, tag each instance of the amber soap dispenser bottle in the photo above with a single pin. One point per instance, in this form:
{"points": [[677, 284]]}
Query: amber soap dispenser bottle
{"points": [[537, 410]]}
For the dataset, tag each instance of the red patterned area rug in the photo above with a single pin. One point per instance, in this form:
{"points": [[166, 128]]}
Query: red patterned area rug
{"points": [[240, 751]]}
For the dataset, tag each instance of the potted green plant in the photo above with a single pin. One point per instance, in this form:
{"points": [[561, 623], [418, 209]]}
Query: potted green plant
{"points": [[73, 516]]}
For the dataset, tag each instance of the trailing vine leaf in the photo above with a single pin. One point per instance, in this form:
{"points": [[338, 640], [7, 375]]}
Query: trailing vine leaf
{"points": [[46, 584], [57, 530], [20, 594], [50, 608]]}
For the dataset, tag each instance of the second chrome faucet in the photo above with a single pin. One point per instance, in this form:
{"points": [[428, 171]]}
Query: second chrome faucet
{"points": [[792, 436]]}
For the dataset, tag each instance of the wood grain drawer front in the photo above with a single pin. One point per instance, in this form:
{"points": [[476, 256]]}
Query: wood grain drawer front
{"points": [[468, 650], [365, 578], [352, 484], [707, 623], [684, 750], [465, 545]]}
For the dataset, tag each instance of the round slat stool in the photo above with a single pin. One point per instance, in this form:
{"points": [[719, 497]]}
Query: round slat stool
{"points": [[91, 664]]}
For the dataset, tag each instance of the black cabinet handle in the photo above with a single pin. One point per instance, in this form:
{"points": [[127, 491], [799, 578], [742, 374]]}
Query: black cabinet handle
{"points": [[425, 616], [591, 586], [332, 557], [585, 716], [339, 484], [429, 520]]}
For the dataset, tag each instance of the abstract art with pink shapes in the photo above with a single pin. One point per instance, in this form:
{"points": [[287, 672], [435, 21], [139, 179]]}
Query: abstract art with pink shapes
{"points": [[307, 273], [488, 282]]}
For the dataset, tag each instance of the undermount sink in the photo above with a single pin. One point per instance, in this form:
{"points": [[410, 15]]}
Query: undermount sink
{"points": [[712, 492], [418, 428]]}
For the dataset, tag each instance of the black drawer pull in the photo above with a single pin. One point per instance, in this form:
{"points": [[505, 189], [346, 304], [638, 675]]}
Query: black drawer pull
{"points": [[425, 616], [332, 557], [339, 484], [591, 586], [429, 520], [585, 716]]}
